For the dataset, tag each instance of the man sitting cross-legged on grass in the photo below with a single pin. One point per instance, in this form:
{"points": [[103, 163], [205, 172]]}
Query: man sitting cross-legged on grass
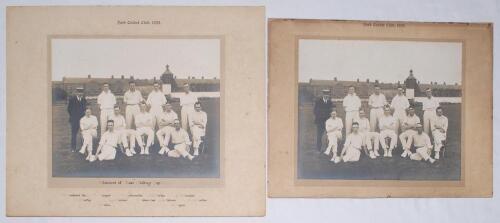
{"points": [[422, 144], [126, 135], [409, 128], [166, 125], [370, 139], [144, 127], [88, 127], [387, 126], [439, 126], [180, 139], [108, 143], [333, 126], [353, 145]]}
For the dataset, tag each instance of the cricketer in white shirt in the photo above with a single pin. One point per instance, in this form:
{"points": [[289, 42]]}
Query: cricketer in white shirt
{"points": [[409, 128], [156, 99], [399, 104], [88, 127], [166, 125], [370, 138], [387, 125], [108, 143], [180, 139], [376, 101], [423, 146], [127, 136], [131, 98], [333, 126], [353, 145], [143, 123], [197, 126], [429, 105], [187, 101], [439, 127], [351, 104], [106, 101]]}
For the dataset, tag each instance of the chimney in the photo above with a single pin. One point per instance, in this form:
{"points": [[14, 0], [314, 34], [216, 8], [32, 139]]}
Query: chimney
{"points": [[154, 78], [367, 80], [89, 76], [131, 77], [335, 78], [202, 77], [123, 77], [112, 77], [357, 80], [376, 81]]}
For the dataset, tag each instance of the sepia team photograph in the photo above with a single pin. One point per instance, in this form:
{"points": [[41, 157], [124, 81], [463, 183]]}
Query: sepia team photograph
{"points": [[379, 110], [135, 108]]}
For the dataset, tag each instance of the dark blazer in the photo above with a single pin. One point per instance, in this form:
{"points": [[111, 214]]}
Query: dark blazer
{"points": [[322, 110], [76, 109]]}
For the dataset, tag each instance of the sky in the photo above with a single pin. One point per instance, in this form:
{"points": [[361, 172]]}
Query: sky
{"points": [[143, 58], [387, 61]]}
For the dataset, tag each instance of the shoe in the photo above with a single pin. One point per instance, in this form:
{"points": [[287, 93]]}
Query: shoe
{"points": [[337, 159], [142, 151], [162, 151], [372, 155], [436, 156], [431, 160], [190, 157], [196, 153], [404, 154], [326, 153], [376, 153], [390, 153], [385, 153], [82, 150], [147, 151], [128, 153], [133, 151]]}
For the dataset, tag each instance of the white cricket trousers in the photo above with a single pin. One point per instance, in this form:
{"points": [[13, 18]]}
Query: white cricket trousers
{"points": [[375, 114], [130, 112], [106, 115], [428, 116], [350, 116]]}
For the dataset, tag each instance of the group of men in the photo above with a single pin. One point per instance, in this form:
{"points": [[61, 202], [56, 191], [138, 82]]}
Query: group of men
{"points": [[148, 118], [383, 126]]}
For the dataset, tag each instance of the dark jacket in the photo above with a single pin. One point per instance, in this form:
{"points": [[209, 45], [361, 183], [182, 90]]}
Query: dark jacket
{"points": [[322, 110], [76, 109]]}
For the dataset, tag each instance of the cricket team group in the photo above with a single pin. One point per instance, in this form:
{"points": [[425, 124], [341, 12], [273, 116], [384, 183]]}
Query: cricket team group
{"points": [[150, 118], [385, 124]]}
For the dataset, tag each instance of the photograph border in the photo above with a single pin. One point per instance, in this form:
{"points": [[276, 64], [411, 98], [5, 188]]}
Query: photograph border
{"points": [[61, 182], [284, 35]]}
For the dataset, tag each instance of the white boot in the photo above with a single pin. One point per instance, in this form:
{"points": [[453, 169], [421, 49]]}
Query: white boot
{"points": [[405, 153], [431, 160], [196, 153], [128, 153], [385, 153], [390, 153], [162, 150], [436, 156], [147, 150], [372, 155], [142, 150]]}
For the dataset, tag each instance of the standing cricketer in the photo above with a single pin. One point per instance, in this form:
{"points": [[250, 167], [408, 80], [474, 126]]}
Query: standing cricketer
{"points": [[88, 126], [156, 99], [187, 101], [76, 110], [144, 123], [334, 128], [165, 125], [409, 128], [376, 102], [106, 101], [197, 126], [131, 98], [429, 105], [387, 125], [353, 145], [399, 104], [351, 104], [439, 127], [322, 108], [423, 146], [370, 138], [180, 139]]}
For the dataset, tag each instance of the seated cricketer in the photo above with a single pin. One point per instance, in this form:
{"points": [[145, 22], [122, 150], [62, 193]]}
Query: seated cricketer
{"points": [[387, 126], [333, 127], [409, 128], [144, 127], [422, 144], [108, 143], [370, 139], [180, 139], [353, 145], [165, 124], [88, 127], [439, 126], [197, 125], [125, 134]]}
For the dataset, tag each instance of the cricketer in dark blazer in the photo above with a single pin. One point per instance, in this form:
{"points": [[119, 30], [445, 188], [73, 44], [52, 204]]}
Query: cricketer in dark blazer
{"points": [[76, 109], [322, 108]]}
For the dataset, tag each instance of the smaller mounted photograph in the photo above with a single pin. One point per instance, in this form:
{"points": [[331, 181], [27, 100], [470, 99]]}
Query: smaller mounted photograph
{"points": [[379, 110]]}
